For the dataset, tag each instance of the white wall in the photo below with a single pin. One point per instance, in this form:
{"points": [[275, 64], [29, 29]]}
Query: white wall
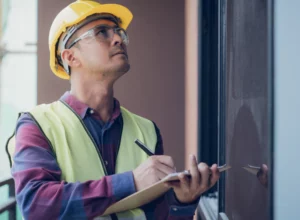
{"points": [[287, 109]]}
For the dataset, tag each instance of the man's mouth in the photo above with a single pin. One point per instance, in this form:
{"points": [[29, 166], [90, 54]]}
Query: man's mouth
{"points": [[121, 52]]}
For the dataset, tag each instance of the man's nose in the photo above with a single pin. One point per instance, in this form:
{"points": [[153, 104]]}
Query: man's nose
{"points": [[117, 39]]}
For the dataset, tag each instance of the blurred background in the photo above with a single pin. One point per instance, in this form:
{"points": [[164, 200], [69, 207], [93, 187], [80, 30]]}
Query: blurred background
{"points": [[219, 78], [18, 74]]}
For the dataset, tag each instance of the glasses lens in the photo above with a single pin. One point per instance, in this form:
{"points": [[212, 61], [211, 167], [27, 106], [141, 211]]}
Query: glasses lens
{"points": [[104, 33], [124, 36]]}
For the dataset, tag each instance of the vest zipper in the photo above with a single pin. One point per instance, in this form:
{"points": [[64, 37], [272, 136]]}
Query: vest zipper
{"points": [[89, 134]]}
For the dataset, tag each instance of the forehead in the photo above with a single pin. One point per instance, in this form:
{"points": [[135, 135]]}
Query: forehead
{"points": [[94, 24]]}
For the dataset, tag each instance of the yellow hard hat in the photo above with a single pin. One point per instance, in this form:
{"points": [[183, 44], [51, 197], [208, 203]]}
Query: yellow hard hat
{"points": [[72, 15]]}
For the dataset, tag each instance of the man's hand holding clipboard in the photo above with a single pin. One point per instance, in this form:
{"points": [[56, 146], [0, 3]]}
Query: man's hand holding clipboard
{"points": [[191, 184]]}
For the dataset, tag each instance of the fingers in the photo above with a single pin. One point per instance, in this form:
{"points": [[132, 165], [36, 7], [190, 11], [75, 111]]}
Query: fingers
{"points": [[262, 175], [160, 175], [163, 163], [202, 177], [164, 169], [167, 160], [205, 175], [183, 183], [263, 171], [195, 180], [160, 169], [188, 189], [215, 175], [264, 168]]}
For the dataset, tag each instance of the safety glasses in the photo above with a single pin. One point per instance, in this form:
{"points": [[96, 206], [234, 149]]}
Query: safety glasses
{"points": [[103, 33]]}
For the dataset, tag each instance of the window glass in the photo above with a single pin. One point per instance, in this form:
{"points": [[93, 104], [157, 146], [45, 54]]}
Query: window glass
{"points": [[246, 109]]}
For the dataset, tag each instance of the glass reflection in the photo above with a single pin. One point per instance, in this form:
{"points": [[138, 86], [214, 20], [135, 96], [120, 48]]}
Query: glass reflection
{"points": [[247, 120]]}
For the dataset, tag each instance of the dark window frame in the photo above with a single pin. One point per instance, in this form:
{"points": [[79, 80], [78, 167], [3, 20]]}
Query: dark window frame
{"points": [[208, 81], [208, 48]]}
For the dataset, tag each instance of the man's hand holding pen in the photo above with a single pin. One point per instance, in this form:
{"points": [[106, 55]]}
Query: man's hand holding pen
{"points": [[152, 170]]}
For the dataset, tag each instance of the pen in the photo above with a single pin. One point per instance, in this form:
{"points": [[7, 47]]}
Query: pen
{"points": [[144, 147]]}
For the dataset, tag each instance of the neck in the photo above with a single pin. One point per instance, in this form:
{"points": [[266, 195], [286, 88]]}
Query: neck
{"points": [[98, 95]]}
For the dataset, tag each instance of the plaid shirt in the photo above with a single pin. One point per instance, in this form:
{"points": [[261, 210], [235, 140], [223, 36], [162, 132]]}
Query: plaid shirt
{"points": [[41, 194]]}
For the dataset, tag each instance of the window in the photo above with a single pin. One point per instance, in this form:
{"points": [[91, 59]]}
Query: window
{"points": [[239, 132]]}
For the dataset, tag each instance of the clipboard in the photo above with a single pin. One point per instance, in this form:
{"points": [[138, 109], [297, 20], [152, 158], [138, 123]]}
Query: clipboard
{"points": [[149, 194]]}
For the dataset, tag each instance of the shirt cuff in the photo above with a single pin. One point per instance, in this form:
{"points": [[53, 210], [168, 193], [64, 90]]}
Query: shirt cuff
{"points": [[122, 185], [180, 209]]}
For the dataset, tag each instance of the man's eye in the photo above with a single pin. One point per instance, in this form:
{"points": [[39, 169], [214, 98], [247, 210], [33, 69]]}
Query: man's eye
{"points": [[102, 31]]}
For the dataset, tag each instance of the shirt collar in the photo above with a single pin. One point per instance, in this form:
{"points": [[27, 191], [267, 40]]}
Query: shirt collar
{"points": [[83, 109]]}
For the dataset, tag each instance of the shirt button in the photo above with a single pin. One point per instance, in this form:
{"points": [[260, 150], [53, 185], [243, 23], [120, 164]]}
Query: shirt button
{"points": [[106, 163], [175, 209], [91, 111]]}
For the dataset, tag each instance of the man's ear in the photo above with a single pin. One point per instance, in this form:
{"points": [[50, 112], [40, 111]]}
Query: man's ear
{"points": [[68, 57]]}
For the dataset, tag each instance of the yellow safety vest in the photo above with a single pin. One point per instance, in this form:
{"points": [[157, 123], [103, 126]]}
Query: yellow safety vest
{"points": [[76, 152]]}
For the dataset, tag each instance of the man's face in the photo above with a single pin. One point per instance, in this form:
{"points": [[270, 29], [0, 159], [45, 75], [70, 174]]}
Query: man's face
{"points": [[107, 60]]}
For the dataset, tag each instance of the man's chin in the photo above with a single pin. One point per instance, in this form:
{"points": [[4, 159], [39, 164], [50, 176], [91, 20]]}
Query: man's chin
{"points": [[124, 68], [119, 67]]}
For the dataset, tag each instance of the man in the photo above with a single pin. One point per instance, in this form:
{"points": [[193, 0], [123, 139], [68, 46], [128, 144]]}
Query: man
{"points": [[75, 157]]}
